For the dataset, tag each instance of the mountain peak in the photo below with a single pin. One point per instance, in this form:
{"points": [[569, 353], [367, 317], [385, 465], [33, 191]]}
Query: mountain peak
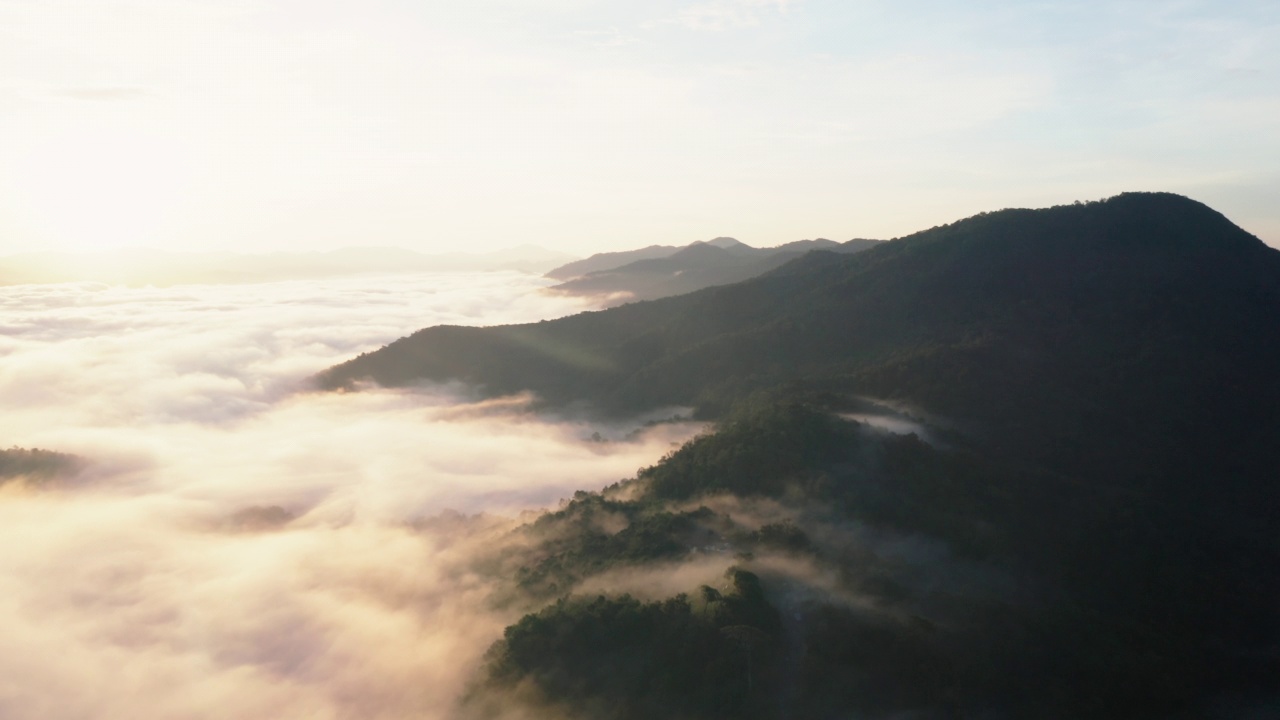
{"points": [[1106, 372], [1144, 219], [726, 243], [1181, 217]]}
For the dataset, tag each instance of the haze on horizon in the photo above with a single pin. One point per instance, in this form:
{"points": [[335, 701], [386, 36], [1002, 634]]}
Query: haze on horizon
{"points": [[232, 545], [587, 126]]}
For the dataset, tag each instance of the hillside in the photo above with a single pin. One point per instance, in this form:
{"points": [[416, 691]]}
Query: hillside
{"points": [[662, 271], [1052, 333], [609, 261], [873, 575], [161, 268], [693, 268], [1082, 527]]}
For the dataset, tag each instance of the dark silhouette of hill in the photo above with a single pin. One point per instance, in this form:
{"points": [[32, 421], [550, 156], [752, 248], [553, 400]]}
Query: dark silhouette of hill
{"points": [[693, 268], [661, 271], [1045, 603], [1125, 338], [1066, 336], [1103, 381], [725, 242]]}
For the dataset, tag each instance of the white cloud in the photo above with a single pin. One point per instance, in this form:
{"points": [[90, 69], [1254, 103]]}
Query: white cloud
{"points": [[126, 594], [718, 15]]}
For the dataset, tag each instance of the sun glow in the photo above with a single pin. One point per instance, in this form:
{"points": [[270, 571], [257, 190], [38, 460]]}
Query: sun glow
{"points": [[96, 188]]}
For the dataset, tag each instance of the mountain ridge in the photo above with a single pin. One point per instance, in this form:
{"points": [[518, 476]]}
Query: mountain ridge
{"points": [[1068, 339], [986, 283], [1106, 374], [662, 271]]}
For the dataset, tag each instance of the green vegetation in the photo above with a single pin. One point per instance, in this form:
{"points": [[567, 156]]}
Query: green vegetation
{"points": [[712, 655], [35, 466], [1093, 537], [697, 266], [574, 544], [791, 450], [1089, 340], [997, 617], [781, 450], [662, 271]]}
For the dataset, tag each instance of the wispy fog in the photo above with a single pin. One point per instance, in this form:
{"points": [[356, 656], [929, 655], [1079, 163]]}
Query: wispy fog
{"points": [[234, 547]]}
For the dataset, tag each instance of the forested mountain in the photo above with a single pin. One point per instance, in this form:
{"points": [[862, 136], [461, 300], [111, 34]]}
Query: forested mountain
{"points": [[1063, 334], [1093, 517], [874, 575], [34, 466], [662, 271], [609, 261]]}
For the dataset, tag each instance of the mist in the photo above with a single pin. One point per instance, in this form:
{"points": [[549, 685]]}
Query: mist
{"points": [[234, 545]]}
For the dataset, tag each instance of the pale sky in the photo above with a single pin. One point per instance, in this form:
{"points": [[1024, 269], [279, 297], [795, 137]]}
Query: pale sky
{"points": [[589, 125]]}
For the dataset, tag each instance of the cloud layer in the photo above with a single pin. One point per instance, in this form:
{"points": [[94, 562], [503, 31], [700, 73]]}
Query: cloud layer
{"points": [[237, 548]]}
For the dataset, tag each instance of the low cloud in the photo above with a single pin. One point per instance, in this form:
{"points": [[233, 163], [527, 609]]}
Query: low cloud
{"points": [[237, 547]]}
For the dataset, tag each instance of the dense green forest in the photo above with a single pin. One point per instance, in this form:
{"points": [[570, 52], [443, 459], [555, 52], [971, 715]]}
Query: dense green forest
{"points": [[1116, 335], [1000, 610], [1087, 529], [710, 654], [700, 265]]}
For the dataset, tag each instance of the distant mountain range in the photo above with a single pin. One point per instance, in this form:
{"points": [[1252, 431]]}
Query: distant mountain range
{"points": [[662, 270], [156, 267], [1114, 316], [1098, 385]]}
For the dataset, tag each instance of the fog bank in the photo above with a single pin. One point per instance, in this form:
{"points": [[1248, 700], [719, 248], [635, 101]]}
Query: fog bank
{"points": [[234, 547]]}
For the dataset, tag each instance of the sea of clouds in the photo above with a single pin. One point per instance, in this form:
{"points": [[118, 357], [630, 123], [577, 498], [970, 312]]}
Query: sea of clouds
{"points": [[238, 546]]}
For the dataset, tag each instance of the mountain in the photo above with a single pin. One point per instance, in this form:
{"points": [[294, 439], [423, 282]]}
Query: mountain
{"points": [[701, 264], [1117, 319], [614, 260], [693, 268], [725, 243], [874, 575], [1094, 315], [609, 261], [155, 267], [1081, 526]]}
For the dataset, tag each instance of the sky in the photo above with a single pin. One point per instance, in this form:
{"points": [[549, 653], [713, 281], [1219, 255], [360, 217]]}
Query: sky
{"points": [[592, 125]]}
